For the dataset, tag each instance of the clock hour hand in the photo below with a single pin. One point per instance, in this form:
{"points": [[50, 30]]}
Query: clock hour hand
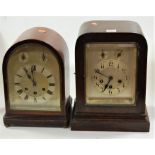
{"points": [[106, 86], [33, 68], [27, 74], [99, 72]]}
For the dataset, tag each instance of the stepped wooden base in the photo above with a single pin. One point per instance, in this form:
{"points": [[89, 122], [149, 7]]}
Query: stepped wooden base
{"points": [[138, 123], [40, 121]]}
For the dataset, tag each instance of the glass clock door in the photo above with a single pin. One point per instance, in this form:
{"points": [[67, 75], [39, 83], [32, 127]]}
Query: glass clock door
{"points": [[33, 78], [110, 70]]}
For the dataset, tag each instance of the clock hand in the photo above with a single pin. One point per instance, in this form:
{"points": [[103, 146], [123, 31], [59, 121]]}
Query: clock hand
{"points": [[32, 72], [28, 75], [98, 71], [106, 86]]}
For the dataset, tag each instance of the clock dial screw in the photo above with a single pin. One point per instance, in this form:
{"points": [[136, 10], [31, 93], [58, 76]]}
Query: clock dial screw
{"points": [[35, 93], [101, 81], [43, 89], [26, 88], [119, 81], [110, 86]]}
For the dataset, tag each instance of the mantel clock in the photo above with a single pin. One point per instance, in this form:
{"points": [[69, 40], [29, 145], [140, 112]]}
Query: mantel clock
{"points": [[36, 83], [111, 62]]}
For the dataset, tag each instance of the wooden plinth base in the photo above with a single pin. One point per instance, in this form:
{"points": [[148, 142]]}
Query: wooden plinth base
{"points": [[139, 123], [40, 121]]}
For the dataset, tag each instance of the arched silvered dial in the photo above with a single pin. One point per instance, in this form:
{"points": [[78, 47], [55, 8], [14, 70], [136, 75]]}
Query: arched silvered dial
{"points": [[110, 77], [34, 78]]}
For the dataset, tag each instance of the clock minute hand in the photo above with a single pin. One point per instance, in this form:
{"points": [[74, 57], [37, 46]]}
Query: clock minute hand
{"points": [[98, 71], [28, 75], [106, 86]]}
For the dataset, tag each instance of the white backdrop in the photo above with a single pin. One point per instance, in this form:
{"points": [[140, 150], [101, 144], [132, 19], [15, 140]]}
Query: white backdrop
{"points": [[68, 27]]}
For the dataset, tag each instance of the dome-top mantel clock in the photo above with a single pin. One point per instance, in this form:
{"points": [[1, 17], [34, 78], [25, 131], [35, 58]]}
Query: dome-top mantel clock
{"points": [[111, 62], [36, 80]]}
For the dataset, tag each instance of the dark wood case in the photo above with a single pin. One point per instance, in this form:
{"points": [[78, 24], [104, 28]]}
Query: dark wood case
{"points": [[56, 43], [112, 118]]}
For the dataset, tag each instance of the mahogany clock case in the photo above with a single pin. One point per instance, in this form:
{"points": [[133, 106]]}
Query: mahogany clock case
{"points": [[112, 118], [56, 43]]}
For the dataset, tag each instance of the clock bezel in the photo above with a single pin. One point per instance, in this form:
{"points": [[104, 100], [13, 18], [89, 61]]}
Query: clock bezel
{"points": [[141, 43], [10, 111]]}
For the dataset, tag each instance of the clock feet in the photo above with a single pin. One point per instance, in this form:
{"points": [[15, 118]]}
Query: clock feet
{"points": [[6, 122], [37, 120], [99, 122]]}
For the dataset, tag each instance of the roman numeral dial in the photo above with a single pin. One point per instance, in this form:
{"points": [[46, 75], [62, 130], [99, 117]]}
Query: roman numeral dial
{"points": [[34, 78], [34, 83]]}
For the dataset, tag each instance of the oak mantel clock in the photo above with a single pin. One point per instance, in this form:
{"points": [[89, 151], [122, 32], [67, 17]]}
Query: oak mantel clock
{"points": [[36, 83], [111, 62]]}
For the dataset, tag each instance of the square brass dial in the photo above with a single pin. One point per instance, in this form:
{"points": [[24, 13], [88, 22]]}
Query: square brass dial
{"points": [[110, 70]]}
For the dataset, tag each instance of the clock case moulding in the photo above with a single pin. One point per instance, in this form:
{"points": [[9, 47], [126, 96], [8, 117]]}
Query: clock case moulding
{"points": [[110, 118], [56, 43]]}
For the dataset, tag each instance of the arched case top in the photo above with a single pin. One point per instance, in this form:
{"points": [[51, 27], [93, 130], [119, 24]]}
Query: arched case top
{"points": [[52, 40], [47, 36], [114, 31], [99, 26]]}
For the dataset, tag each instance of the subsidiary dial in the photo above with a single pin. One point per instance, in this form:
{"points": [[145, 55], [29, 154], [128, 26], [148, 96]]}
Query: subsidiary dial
{"points": [[110, 77]]}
